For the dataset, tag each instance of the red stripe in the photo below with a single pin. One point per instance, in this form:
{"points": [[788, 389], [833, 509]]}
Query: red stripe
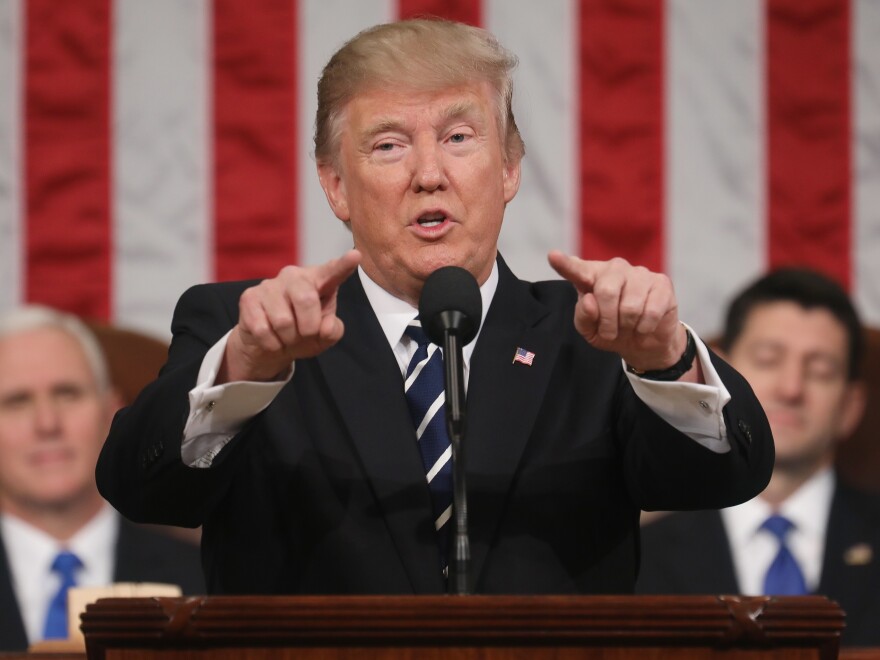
{"points": [[621, 130], [67, 155], [255, 139], [464, 11], [808, 124]]}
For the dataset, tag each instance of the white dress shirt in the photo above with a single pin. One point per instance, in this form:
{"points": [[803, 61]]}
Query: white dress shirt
{"points": [[754, 549], [218, 412], [30, 553]]}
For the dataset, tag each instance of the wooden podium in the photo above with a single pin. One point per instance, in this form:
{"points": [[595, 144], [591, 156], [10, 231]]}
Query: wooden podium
{"points": [[485, 627]]}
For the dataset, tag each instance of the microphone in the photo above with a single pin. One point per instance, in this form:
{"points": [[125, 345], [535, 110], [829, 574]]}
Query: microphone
{"points": [[451, 309]]}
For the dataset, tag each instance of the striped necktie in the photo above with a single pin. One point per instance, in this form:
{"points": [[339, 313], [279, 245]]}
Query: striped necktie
{"points": [[784, 577], [426, 398], [65, 564]]}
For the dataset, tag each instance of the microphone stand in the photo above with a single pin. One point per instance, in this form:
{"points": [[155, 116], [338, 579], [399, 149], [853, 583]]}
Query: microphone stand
{"points": [[460, 564]]}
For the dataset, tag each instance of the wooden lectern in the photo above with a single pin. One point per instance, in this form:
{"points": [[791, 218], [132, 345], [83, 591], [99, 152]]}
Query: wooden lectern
{"points": [[463, 627]]}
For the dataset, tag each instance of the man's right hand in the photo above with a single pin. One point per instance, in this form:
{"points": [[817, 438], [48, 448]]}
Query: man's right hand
{"points": [[288, 317]]}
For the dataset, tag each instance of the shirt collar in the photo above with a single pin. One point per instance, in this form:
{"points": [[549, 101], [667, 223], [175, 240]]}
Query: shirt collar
{"points": [[394, 314], [810, 505], [31, 546], [30, 553], [808, 508]]}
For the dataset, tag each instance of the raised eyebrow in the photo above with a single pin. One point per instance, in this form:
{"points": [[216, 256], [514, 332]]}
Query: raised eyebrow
{"points": [[382, 126], [459, 110], [453, 112]]}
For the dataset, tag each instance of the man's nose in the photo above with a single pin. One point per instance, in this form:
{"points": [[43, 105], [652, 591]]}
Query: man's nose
{"points": [[429, 173], [47, 417], [790, 381]]}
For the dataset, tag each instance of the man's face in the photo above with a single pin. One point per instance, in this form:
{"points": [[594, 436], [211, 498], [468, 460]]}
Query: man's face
{"points": [[53, 421], [796, 361], [422, 180]]}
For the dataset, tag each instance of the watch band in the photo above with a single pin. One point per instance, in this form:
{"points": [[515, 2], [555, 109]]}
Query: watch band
{"points": [[678, 369]]}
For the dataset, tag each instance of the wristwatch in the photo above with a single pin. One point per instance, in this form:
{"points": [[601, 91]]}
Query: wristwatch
{"points": [[678, 369]]}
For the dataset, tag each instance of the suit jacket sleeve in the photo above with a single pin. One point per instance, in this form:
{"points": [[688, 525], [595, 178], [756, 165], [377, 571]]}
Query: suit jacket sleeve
{"points": [[669, 471], [140, 470]]}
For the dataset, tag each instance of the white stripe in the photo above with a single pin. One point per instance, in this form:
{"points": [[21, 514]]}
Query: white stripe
{"points": [[715, 209], [161, 65], [326, 25], [544, 214], [443, 518], [11, 178], [441, 462], [866, 179], [418, 368], [438, 403], [415, 373]]}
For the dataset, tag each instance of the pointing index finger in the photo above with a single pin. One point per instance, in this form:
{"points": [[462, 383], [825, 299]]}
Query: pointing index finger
{"points": [[577, 271], [333, 273]]}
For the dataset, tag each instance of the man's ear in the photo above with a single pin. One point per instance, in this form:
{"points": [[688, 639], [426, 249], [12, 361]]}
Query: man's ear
{"points": [[334, 188], [512, 171], [112, 401], [854, 403]]}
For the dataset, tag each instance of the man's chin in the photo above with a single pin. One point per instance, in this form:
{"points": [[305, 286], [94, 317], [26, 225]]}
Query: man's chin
{"points": [[799, 463], [434, 259]]}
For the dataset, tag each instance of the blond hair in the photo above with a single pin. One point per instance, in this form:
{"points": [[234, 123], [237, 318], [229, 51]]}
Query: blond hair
{"points": [[418, 54]]}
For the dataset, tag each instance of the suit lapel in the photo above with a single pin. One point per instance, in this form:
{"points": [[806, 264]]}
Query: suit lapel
{"points": [[502, 404], [361, 371], [135, 558], [711, 562], [850, 568], [12, 634]]}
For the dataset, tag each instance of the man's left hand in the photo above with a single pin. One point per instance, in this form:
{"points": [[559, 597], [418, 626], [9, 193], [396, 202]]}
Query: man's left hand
{"points": [[625, 309]]}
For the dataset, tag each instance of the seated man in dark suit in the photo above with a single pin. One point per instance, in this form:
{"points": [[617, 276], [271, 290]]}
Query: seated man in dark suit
{"points": [[795, 335], [283, 421], [56, 404]]}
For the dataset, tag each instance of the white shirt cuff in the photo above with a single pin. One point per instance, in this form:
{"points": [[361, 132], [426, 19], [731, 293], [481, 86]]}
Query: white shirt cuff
{"points": [[695, 409], [218, 412]]}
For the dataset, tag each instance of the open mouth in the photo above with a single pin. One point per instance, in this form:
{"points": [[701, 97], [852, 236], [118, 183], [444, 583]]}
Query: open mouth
{"points": [[429, 220]]}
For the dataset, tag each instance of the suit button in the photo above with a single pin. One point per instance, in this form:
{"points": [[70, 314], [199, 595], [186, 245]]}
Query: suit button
{"points": [[746, 430]]}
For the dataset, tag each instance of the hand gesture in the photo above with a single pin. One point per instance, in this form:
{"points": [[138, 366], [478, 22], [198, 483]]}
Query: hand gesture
{"points": [[288, 317], [625, 309]]}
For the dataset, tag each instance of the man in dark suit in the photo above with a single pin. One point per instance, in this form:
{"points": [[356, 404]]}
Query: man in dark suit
{"points": [[796, 337], [55, 408], [280, 421]]}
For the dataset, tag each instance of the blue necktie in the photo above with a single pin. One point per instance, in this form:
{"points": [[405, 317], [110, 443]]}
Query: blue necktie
{"points": [[65, 564], [784, 577], [426, 398]]}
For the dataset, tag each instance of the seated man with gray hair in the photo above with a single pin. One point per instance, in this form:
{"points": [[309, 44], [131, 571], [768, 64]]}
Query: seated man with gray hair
{"points": [[56, 404]]}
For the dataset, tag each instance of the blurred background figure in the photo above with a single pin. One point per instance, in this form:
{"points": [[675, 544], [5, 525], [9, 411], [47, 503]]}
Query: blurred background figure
{"points": [[56, 403], [795, 335]]}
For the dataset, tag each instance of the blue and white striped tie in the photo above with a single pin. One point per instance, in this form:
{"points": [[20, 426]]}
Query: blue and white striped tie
{"points": [[426, 398]]}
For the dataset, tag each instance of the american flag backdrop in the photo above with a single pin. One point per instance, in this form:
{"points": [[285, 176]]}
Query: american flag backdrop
{"points": [[147, 145]]}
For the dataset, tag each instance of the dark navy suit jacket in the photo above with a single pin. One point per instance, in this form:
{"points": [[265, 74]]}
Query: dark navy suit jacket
{"points": [[142, 555], [324, 491], [689, 553]]}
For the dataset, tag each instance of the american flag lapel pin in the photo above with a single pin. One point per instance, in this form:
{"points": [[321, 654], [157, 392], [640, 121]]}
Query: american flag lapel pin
{"points": [[860, 554], [523, 356]]}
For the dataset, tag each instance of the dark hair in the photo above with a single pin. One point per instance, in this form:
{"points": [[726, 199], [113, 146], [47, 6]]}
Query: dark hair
{"points": [[806, 288]]}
